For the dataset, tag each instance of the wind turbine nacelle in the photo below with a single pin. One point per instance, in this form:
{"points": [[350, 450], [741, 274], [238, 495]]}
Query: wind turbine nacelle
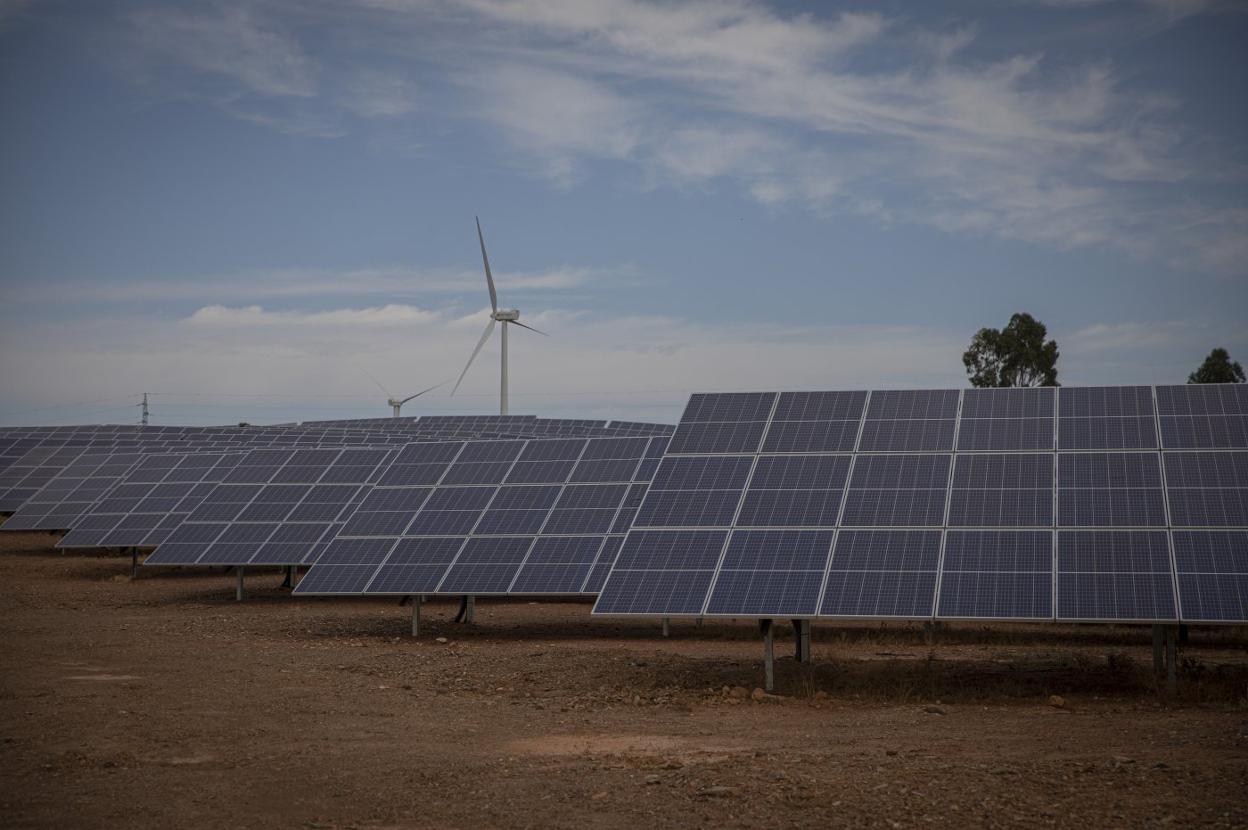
{"points": [[506, 315]]}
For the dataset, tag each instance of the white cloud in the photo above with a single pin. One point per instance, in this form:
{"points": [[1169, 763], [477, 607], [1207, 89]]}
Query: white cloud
{"points": [[884, 117], [559, 117], [229, 41], [220, 316], [387, 282]]}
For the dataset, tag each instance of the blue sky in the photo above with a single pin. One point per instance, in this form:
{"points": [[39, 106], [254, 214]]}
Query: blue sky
{"points": [[247, 208]]}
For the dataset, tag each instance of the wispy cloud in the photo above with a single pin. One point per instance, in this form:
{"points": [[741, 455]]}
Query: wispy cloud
{"points": [[232, 42], [220, 316], [295, 284], [856, 112]]}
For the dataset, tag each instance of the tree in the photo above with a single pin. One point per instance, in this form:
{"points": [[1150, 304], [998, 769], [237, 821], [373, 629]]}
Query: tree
{"points": [[1016, 355], [1218, 368]]}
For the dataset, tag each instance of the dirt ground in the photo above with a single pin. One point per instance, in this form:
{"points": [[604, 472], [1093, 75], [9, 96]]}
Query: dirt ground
{"points": [[160, 702]]}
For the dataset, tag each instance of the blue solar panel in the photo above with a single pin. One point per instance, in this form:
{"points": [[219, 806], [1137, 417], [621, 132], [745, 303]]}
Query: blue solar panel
{"points": [[484, 516], [1114, 575], [1112, 417], [897, 490], [771, 572], [815, 422], [907, 435], [1110, 490], [997, 574], [486, 566], [557, 565], [1207, 489], [733, 406], [337, 579], [1002, 491], [728, 437], [1212, 568], [882, 573]]}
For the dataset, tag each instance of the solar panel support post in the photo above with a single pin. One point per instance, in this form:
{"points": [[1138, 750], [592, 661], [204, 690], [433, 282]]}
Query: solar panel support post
{"points": [[416, 600], [238, 590], [288, 581], [801, 634], [134, 563], [769, 654], [667, 627]]}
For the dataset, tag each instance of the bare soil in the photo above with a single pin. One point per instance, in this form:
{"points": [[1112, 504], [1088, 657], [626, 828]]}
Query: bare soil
{"points": [[162, 702]]}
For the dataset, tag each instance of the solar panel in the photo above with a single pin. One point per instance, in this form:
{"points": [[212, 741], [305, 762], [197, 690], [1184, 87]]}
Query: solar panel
{"points": [[60, 503], [997, 575], [1212, 570], [1055, 504], [910, 421], [1203, 416], [539, 520], [1114, 575], [274, 507], [1110, 490], [883, 573], [1006, 419], [997, 490], [1207, 489], [897, 490], [1106, 417], [150, 501]]}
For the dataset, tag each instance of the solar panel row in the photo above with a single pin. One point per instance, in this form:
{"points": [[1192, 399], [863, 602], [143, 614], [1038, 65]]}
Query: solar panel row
{"points": [[990, 504], [539, 516]]}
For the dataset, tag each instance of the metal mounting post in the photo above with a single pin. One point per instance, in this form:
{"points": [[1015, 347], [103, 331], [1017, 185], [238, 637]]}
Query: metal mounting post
{"points": [[801, 633], [134, 563], [467, 609], [667, 629], [289, 580], [769, 663], [238, 591], [416, 600]]}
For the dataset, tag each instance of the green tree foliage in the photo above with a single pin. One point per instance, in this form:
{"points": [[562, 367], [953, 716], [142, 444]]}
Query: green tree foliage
{"points": [[1218, 368], [1016, 355]]}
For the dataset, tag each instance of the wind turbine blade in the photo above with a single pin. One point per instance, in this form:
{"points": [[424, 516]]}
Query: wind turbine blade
{"points": [[530, 328], [374, 380], [489, 329], [423, 391], [489, 278]]}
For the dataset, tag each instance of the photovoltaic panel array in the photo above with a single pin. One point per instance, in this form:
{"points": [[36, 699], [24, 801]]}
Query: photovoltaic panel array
{"points": [[537, 516], [60, 503], [23, 477], [1080, 504], [274, 507], [150, 501]]}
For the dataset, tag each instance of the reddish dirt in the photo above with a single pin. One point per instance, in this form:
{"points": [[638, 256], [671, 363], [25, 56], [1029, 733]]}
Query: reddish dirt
{"points": [[162, 702]]}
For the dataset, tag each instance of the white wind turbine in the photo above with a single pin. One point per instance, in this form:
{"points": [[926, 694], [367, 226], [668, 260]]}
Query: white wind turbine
{"points": [[506, 316], [395, 403]]}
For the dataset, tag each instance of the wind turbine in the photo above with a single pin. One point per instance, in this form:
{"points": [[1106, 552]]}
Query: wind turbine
{"points": [[393, 402], [506, 316]]}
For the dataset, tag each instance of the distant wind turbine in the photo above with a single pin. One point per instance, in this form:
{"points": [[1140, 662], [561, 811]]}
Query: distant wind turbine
{"points": [[506, 316], [395, 403]]}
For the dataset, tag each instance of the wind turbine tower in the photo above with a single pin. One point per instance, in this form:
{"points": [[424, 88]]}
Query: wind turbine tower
{"points": [[506, 316]]}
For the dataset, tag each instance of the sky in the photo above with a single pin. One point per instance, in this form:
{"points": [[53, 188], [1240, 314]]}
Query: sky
{"points": [[262, 210]]}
